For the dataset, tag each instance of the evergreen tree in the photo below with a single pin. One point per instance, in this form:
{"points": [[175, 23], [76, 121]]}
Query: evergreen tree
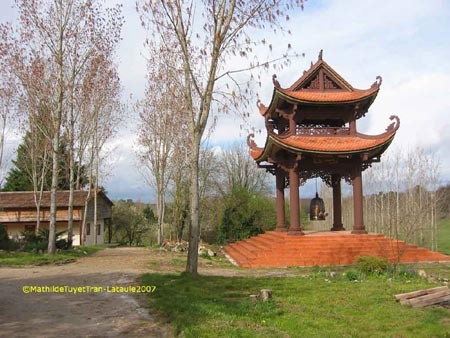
{"points": [[19, 178]]}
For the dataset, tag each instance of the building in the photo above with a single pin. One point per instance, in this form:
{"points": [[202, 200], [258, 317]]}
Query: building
{"points": [[312, 133], [18, 213]]}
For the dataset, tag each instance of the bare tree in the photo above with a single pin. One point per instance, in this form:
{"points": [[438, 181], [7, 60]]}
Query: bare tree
{"points": [[38, 61], [207, 33], [97, 32], [38, 150], [238, 170], [162, 125], [6, 93], [103, 111], [50, 49], [4, 112]]}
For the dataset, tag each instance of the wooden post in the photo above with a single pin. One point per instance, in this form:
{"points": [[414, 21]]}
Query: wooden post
{"points": [[281, 217], [265, 295], [294, 228], [353, 127], [337, 206], [358, 226]]}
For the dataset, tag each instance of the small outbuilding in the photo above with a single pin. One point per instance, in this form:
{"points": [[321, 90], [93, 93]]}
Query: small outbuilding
{"points": [[18, 212]]}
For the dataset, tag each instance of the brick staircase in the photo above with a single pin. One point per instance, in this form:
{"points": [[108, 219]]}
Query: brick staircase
{"points": [[277, 249]]}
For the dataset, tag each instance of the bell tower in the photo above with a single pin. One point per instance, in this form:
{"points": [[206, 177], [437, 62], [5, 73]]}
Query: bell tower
{"points": [[312, 133]]}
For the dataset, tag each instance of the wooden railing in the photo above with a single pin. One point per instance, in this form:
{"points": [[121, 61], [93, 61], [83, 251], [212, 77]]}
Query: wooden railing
{"points": [[325, 131]]}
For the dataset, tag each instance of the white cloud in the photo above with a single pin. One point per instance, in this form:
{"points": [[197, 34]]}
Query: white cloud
{"points": [[403, 41]]}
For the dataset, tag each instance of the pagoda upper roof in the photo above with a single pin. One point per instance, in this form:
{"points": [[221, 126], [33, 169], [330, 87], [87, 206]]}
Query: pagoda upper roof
{"points": [[337, 96], [327, 144], [320, 85]]}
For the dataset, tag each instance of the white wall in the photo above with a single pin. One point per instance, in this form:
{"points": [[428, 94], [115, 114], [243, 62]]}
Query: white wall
{"points": [[90, 237]]}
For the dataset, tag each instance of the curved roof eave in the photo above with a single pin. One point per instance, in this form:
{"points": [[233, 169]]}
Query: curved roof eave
{"points": [[333, 152]]}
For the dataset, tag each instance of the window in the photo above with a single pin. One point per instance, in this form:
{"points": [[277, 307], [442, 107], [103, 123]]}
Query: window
{"points": [[99, 229], [88, 229]]}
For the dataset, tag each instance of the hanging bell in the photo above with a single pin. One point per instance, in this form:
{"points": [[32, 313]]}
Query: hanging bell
{"points": [[317, 209]]}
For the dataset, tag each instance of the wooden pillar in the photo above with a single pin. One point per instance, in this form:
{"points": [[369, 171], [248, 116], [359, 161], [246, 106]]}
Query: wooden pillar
{"points": [[337, 206], [281, 217], [294, 199], [352, 127], [358, 226]]}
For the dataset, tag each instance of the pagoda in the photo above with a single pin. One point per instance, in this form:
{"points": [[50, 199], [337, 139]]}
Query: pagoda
{"points": [[312, 133]]}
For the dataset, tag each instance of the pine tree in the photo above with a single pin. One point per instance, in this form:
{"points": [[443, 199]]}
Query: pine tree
{"points": [[19, 177]]}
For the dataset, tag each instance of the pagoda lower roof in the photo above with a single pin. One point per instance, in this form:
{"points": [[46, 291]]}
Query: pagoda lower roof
{"points": [[330, 145]]}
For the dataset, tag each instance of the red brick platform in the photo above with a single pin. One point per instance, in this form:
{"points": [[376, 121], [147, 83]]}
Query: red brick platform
{"points": [[277, 249]]}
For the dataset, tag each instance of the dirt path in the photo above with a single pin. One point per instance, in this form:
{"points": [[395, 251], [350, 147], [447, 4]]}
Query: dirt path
{"points": [[83, 314]]}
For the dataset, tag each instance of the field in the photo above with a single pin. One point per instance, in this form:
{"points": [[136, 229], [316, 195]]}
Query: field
{"points": [[316, 305], [306, 302]]}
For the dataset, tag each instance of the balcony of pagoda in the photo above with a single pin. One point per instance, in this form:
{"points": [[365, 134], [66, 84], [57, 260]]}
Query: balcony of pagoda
{"points": [[323, 131], [312, 131]]}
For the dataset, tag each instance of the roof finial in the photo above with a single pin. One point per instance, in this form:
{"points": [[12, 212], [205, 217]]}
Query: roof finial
{"points": [[379, 79], [377, 82], [320, 55], [311, 65], [275, 81]]}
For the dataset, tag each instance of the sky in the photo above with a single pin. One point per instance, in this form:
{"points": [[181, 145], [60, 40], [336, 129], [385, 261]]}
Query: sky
{"points": [[404, 41]]}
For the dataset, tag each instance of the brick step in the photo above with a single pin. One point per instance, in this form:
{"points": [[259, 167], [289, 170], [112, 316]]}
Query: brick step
{"points": [[279, 249], [340, 242], [273, 235], [265, 241], [243, 251], [335, 246], [256, 245], [237, 256]]}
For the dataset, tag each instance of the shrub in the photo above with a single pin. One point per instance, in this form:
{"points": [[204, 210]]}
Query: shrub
{"points": [[5, 242], [246, 214], [39, 242], [352, 275], [408, 273], [373, 265]]}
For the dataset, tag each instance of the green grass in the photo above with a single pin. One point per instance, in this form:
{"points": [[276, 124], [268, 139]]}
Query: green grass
{"points": [[207, 306], [444, 237], [29, 258]]}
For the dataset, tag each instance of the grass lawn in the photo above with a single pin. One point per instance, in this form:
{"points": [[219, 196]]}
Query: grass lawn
{"points": [[444, 237], [29, 258], [308, 306]]}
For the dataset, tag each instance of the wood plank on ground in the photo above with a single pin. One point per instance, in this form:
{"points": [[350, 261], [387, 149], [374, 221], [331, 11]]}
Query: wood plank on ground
{"points": [[422, 298], [414, 294]]}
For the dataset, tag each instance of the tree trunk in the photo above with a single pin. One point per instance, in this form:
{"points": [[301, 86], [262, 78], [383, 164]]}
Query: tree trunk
{"points": [[55, 142], [55, 169], [38, 218], [95, 202], [71, 172], [71, 198], [194, 227], [160, 209]]}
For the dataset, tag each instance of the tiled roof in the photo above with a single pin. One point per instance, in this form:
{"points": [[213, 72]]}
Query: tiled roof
{"points": [[333, 144], [255, 153], [314, 68], [330, 96], [25, 199]]}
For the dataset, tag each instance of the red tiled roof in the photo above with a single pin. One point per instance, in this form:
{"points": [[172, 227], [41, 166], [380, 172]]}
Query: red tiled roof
{"points": [[25, 199], [333, 144], [255, 153], [314, 69], [330, 96]]}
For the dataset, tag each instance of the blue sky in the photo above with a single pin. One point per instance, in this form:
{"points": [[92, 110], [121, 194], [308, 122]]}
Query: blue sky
{"points": [[406, 42]]}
